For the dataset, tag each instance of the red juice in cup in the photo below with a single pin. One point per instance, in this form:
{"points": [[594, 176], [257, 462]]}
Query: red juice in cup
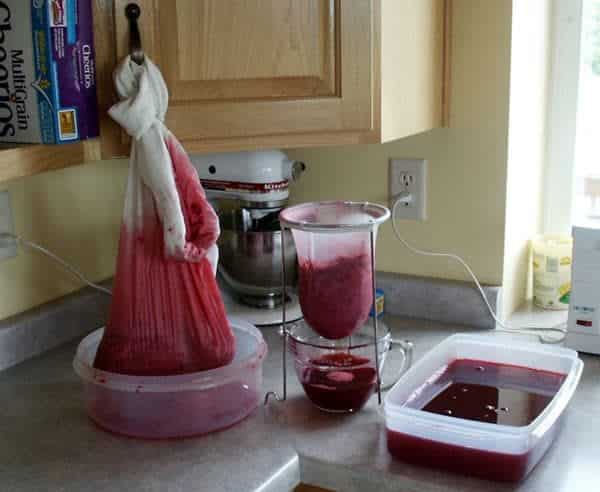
{"points": [[339, 382]]}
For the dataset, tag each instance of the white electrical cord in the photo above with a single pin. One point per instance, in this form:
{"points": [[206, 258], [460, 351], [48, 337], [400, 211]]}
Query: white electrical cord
{"points": [[404, 198], [70, 268]]}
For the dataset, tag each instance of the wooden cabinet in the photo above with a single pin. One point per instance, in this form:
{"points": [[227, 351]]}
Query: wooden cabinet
{"points": [[246, 74], [256, 68], [309, 488], [20, 160]]}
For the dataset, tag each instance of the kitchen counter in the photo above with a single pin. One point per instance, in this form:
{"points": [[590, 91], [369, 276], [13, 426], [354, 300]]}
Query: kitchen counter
{"points": [[49, 444]]}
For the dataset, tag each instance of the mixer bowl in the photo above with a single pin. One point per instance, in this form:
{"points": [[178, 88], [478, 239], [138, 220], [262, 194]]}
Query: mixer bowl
{"points": [[250, 256]]}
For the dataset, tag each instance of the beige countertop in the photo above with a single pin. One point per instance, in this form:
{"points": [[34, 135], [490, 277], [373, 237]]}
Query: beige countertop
{"points": [[49, 444]]}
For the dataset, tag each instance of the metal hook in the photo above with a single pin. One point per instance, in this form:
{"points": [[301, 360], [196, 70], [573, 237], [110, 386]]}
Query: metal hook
{"points": [[133, 12]]}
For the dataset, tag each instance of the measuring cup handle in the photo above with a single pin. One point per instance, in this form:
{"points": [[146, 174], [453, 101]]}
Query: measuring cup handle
{"points": [[406, 348]]}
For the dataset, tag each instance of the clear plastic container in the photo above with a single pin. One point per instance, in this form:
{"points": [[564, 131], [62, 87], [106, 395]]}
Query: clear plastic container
{"points": [[333, 243], [174, 406], [482, 449]]}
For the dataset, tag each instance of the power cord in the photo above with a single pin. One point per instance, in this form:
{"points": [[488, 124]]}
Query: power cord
{"points": [[67, 266], [405, 198]]}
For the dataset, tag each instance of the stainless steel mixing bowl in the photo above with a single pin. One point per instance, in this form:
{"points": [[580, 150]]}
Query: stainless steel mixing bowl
{"points": [[250, 256]]}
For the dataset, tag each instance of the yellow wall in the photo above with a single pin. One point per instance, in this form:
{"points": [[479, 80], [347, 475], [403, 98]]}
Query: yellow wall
{"points": [[467, 163], [76, 213], [530, 68]]}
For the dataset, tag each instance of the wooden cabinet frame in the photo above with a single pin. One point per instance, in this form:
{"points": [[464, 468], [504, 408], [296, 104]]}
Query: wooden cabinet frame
{"points": [[379, 105]]}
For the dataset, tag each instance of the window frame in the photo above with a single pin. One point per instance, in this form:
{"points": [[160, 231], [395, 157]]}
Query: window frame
{"points": [[561, 132]]}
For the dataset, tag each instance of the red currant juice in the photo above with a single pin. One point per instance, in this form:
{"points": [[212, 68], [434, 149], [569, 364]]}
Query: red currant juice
{"points": [[496, 394], [339, 382], [336, 296]]}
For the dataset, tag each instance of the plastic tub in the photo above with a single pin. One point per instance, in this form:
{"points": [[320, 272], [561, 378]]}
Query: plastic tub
{"points": [[482, 449], [174, 406]]}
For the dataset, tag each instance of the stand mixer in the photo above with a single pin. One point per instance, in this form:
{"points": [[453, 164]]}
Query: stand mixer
{"points": [[248, 190]]}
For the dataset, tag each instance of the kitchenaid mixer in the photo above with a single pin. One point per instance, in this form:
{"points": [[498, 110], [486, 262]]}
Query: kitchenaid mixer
{"points": [[249, 189], [335, 244]]}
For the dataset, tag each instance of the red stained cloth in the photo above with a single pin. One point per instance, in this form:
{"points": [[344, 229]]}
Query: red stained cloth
{"points": [[167, 316]]}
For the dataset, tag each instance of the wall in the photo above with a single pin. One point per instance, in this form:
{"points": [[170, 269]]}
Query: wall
{"points": [[467, 163], [76, 213], [530, 71]]}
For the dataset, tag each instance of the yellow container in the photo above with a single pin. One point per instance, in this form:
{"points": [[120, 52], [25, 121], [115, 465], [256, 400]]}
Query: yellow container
{"points": [[552, 259]]}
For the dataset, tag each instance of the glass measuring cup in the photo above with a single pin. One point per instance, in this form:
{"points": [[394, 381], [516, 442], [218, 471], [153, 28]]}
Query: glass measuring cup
{"points": [[340, 376], [335, 244]]}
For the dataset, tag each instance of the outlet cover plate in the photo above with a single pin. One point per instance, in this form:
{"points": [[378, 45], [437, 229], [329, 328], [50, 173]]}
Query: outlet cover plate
{"points": [[409, 175], [8, 247]]}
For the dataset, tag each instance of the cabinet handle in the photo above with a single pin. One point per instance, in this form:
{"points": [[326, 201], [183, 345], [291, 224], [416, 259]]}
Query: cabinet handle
{"points": [[133, 12]]}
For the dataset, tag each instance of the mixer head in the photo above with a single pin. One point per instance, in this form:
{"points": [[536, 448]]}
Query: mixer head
{"points": [[257, 179]]}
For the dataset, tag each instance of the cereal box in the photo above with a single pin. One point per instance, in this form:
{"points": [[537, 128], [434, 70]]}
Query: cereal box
{"points": [[47, 71]]}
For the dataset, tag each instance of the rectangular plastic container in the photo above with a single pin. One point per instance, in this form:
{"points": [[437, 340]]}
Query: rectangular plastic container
{"points": [[485, 450]]}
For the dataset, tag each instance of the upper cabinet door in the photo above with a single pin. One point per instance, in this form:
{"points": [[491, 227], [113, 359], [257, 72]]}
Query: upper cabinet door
{"points": [[251, 69]]}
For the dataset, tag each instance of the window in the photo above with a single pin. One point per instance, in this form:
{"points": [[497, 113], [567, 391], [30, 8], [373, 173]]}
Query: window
{"points": [[573, 177], [586, 204]]}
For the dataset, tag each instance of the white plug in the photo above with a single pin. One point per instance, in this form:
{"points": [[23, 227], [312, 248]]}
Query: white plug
{"points": [[408, 183], [405, 198]]}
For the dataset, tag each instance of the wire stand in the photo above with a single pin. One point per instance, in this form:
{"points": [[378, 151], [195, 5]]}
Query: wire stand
{"points": [[284, 324], [375, 323], [284, 330]]}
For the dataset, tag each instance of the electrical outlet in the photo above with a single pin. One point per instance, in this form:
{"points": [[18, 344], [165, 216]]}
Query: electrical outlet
{"points": [[410, 176], [8, 247]]}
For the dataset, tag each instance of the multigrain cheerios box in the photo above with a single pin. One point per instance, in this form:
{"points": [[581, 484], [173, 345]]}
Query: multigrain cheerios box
{"points": [[47, 71]]}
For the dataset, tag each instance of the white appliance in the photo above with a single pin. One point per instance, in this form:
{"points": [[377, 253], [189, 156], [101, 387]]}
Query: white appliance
{"points": [[260, 179], [584, 306], [248, 190]]}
